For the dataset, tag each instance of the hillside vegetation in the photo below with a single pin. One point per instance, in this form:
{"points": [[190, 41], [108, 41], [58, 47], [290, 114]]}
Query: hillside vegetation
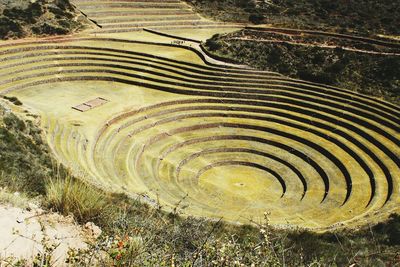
{"points": [[365, 17], [25, 159], [23, 18], [359, 66], [368, 73]]}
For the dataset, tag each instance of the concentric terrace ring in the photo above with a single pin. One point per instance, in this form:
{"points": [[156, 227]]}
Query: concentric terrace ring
{"points": [[234, 144]]}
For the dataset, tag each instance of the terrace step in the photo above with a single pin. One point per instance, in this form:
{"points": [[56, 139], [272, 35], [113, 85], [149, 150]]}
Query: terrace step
{"points": [[222, 140]]}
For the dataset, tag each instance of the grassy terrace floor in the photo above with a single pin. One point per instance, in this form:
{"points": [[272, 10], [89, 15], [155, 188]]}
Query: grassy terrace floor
{"points": [[222, 141], [129, 16]]}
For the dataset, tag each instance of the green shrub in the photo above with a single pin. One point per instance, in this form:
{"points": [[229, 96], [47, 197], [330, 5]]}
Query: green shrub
{"points": [[391, 228], [10, 28], [13, 99], [49, 29], [212, 44], [256, 18]]}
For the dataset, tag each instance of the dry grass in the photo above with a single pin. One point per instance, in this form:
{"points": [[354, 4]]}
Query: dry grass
{"points": [[15, 199], [70, 196]]}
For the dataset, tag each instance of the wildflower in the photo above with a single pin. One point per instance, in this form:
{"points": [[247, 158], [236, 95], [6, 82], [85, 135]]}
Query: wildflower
{"points": [[118, 257]]}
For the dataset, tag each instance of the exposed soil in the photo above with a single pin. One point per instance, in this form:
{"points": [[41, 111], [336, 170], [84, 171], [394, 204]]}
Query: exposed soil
{"points": [[25, 233]]}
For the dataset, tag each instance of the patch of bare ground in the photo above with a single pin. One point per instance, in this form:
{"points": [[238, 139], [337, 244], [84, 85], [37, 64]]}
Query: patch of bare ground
{"points": [[34, 235]]}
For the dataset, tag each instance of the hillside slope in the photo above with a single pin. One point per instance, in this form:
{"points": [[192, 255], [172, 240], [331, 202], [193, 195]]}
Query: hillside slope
{"points": [[365, 17], [25, 159], [24, 18], [368, 69]]}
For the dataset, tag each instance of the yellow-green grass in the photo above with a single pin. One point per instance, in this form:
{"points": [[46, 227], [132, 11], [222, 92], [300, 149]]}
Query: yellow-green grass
{"points": [[231, 142], [130, 16], [225, 205], [202, 34], [142, 18]]}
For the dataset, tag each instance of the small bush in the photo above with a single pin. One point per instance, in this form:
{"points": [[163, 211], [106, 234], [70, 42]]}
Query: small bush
{"points": [[14, 123], [18, 103], [256, 18], [212, 44], [10, 28], [13, 99], [50, 29], [391, 228], [70, 196], [394, 229]]}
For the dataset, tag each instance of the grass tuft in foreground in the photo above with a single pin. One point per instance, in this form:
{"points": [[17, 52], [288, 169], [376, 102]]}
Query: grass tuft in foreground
{"points": [[71, 196]]}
